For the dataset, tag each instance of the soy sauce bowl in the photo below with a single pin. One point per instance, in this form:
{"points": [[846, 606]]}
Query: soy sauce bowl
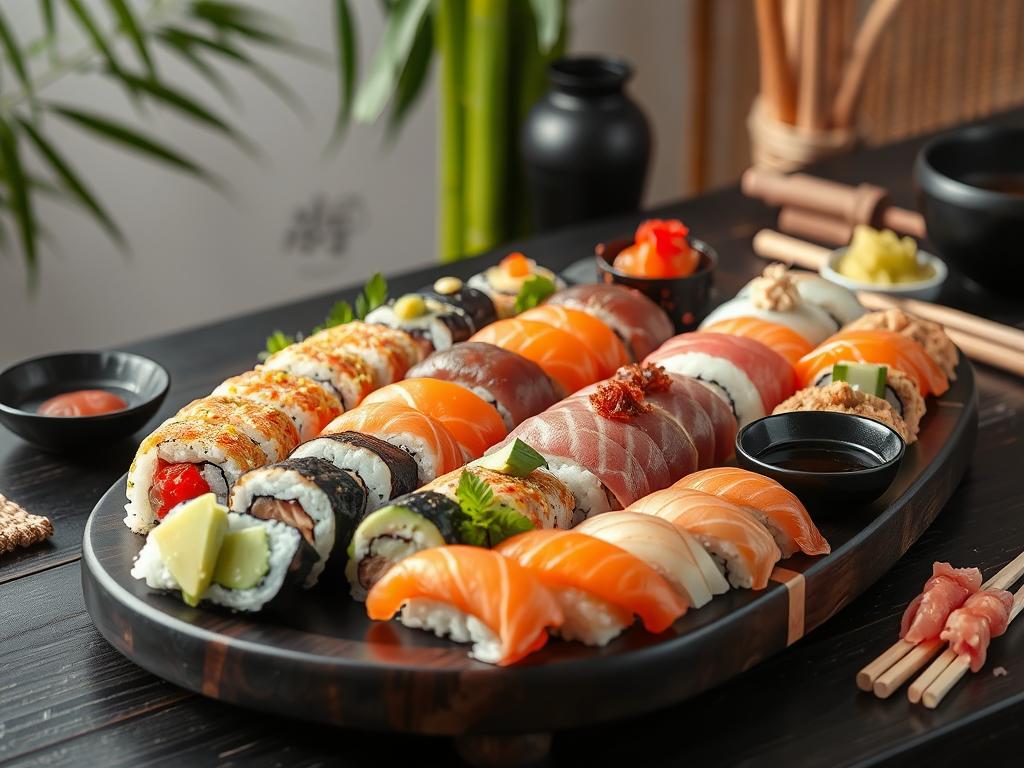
{"points": [[828, 432], [142, 383]]}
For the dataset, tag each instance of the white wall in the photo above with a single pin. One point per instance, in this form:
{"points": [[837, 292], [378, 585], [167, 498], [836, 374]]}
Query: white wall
{"points": [[197, 256]]}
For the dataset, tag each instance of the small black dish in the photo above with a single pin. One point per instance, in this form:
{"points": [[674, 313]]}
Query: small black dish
{"points": [[971, 192], [139, 381], [684, 299], [868, 451]]}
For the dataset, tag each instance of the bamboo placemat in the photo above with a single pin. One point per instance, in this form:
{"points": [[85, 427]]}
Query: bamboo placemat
{"points": [[19, 528]]}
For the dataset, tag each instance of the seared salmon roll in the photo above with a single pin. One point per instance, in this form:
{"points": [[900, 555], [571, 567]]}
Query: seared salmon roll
{"points": [[389, 352], [307, 403], [343, 373], [268, 427]]}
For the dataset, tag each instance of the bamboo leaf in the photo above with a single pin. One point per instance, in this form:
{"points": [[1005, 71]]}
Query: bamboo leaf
{"points": [[50, 27], [13, 51], [72, 181], [126, 18], [20, 200], [92, 31], [128, 137], [258, 26], [187, 53], [414, 75], [396, 43], [548, 15], [347, 63]]}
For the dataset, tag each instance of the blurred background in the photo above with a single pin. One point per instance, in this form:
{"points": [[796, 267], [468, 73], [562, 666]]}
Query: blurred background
{"points": [[110, 109]]}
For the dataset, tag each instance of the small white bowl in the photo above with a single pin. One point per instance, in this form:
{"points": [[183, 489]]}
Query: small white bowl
{"points": [[924, 290]]}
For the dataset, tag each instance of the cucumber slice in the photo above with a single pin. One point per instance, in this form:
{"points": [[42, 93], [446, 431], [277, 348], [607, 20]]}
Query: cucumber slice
{"points": [[863, 376], [516, 459]]}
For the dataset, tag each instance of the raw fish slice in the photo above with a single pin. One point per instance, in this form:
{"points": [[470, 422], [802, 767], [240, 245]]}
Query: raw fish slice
{"points": [[810, 321], [723, 421], [474, 423], [510, 603], [971, 627], [669, 550], [781, 512], [787, 342], [566, 559], [589, 330], [726, 531], [944, 592], [874, 346]]}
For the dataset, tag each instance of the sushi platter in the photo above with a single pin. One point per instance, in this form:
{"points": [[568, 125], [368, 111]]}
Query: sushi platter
{"points": [[516, 466]]}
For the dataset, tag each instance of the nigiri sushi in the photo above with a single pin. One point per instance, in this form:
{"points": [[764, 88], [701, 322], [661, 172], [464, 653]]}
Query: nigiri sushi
{"points": [[503, 281], [474, 423], [599, 586], [516, 386], [426, 439], [779, 510], [470, 595], [563, 357], [930, 335], [971, 627], [669, 550], [589, 330], [737, 541], [877, 346], [840, 303], [944, 592], [787, 342]]}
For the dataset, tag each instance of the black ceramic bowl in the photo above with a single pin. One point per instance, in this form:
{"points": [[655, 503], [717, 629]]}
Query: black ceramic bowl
{"points": [[684, 299], [971, 192], [822, 490], [139, 381]]}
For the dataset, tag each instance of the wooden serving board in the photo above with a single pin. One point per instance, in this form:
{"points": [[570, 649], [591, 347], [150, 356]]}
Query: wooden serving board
{"points": [[321, 659]]}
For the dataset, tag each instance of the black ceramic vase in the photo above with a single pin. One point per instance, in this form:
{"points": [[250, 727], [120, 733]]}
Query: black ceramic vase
{"points": [[585, 144]]}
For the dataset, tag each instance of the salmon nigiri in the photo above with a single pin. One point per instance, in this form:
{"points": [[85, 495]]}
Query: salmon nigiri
{"points": [[598, 585], [469, 594], [473, 422], [596, 335], [781, 512], [423, 437], [563, 357], [733, 536], [787, 342], [877, 346]]}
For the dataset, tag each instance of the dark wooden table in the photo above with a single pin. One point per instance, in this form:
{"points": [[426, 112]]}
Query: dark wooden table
{"points": [[66, 697]]}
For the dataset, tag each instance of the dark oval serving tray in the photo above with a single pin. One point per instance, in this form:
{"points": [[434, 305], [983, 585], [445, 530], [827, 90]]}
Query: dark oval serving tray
{"points": [[323, 660]]}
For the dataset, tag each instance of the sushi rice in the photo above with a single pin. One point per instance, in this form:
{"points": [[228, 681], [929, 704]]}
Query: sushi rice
{"points": [[445, 620], [724, 379]]}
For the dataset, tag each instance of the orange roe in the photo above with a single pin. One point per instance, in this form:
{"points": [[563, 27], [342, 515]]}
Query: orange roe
{"points": [[661, 249], [516, 265]]}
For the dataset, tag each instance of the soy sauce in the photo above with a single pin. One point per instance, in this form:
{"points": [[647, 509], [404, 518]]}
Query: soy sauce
{"points": [[820, 456]]}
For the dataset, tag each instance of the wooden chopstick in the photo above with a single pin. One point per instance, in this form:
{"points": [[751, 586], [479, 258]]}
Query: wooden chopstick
{"points": [[905, 668]]}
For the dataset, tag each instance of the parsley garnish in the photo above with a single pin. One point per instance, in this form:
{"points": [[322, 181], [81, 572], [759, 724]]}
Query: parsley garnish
{"points": [[483, 521], [534, 290]]}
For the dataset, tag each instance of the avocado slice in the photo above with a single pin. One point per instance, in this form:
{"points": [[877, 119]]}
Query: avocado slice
{"points": [[244, 558], [516, 459], [190, 541]]}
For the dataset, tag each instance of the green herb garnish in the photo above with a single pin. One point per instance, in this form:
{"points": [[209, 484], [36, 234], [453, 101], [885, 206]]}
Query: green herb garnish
{"points": [[374, 294], [483, 521], [533, 291], [275, 343]]}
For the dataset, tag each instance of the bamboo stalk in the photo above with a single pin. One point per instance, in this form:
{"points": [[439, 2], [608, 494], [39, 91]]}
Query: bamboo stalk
{"points": [[449, 33], [810, 111], [864, 45], [777, 88]]}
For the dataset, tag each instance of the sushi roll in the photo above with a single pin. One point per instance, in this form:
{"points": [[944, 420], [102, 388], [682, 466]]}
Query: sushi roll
{"points": [[434, 449], [589, 330], [322, 502], [342, 373], [517, 387], [473, 422], [308, 404], [787, 342], [407, 525], [476, 305], [599, 586], [271, 429], [781, 512], [742, 547], [640, 323], [840, 397], [931, 336], [388, 352], [540, 497], [436, 324], [840, 303], [182, 460], [385, 469], [470, 595], [503, 282], [561, 355], [669, 550], [751, 378]]}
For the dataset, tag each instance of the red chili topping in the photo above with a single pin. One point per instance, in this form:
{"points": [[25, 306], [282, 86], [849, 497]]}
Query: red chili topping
{"points": [[84, 402], [619, 400], [648, 377], [173, 484]]}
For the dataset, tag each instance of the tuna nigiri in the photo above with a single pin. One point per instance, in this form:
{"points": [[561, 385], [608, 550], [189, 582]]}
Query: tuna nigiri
{"points": [[787, 342], [563, 357], [781, 512], [599, 586], [874, 346], [971, 627], [471, 595], [426, 439], [474, 423], [943, 593], [731, 535], [595, 334], [669, 550]]}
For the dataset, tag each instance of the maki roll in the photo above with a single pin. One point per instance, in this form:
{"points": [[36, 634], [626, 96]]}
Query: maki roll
{"points": [[322, 502], [435, 324], [476, 305], [342, 373], [503, 282], [517, 387], [265, 425], [409, 524], [307, 403], [385, 469], [388, 352], [840, 303]]}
